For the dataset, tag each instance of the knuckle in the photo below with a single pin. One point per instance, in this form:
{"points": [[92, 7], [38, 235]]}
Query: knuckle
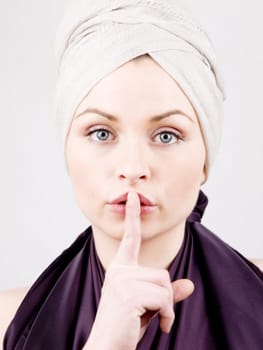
{"points": [[166, 298], [165, 276]]}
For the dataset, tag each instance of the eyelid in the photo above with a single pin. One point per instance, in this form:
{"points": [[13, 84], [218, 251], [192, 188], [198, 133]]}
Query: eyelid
{"points": [[170, 130], [99, 129], [92, 129], [103, 127]]}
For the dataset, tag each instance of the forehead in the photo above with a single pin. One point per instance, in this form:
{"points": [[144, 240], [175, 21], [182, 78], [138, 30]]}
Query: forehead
{"points": [[139, 87]]}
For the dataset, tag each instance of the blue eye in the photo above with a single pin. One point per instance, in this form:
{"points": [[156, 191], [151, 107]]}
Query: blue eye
{"points": [[103, 135], [99, 134], [168, 137]]}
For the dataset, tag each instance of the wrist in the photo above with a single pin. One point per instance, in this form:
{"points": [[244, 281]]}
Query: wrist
{"points": [[100, 340]]}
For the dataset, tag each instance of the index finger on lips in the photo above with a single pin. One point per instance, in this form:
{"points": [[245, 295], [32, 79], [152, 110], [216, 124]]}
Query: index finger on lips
{"points": [[129, 248]]}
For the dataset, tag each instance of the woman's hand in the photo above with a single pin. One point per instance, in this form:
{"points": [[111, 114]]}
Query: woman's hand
{"points": [[131, 294]]}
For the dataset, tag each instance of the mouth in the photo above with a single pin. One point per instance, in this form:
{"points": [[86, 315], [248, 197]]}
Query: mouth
{"points": [[118, 205], [144, 201]]}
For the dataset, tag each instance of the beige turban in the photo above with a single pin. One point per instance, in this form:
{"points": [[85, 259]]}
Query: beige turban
{"points": [[97, 36]]}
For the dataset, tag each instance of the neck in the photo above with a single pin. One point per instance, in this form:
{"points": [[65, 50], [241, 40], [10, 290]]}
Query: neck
{"points": [[157, 252]]}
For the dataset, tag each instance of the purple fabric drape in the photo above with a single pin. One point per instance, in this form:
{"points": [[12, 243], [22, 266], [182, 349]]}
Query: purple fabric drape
{"points": [[224, 312]]}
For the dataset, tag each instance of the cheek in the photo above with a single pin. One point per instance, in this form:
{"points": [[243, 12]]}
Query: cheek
{"points": [[184, 179], [83, 174], [193, 175], [188, 167], [183, 187]]}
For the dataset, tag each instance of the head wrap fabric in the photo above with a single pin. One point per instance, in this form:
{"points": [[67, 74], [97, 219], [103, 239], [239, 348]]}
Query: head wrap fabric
{"points": [[97, 37]]}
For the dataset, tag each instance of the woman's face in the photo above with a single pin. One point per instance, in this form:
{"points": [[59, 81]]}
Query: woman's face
{"points": [[136, 130]]}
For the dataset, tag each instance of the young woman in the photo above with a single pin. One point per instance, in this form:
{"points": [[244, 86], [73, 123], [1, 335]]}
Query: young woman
{"points": [[139, 107]]}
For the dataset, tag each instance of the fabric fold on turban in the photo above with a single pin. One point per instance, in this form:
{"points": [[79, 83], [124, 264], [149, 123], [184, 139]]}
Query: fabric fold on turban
{"points": [[97, 37]]}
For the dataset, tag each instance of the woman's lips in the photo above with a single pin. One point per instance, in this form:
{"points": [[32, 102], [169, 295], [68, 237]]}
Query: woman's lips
{"points": [[123, 199], [118, 205], [121, 208]]}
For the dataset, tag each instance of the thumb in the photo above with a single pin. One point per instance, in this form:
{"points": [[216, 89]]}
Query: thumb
{"points": [[182, 289]]}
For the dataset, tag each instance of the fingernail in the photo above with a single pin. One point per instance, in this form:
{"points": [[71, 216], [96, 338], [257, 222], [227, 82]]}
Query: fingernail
{"points": [[134, 203], [130, 196]]}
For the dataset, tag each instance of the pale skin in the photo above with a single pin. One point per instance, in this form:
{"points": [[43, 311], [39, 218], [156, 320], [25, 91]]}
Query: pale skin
{"points": [[129, 246], [150, 292], [10, 300], [127, 159], [123, 139]]}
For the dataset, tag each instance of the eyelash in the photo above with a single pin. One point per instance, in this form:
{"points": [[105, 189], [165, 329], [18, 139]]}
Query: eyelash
{"points": [[174, 134]]}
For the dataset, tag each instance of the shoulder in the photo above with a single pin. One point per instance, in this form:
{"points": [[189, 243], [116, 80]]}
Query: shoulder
{"points": [[9, 302], [258, 263]]}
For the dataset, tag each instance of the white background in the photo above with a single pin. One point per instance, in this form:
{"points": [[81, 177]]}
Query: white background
{"points": [[39, 217]]}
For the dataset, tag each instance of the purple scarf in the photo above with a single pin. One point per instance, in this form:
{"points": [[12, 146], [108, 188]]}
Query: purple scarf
{"points": [[224, 312]]}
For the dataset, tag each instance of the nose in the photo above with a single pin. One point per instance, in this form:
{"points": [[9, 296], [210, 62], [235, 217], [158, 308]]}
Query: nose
{"points": [[134, 165]]}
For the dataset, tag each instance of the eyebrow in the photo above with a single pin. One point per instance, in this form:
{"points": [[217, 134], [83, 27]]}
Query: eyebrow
{"points": [[155, 118]]}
